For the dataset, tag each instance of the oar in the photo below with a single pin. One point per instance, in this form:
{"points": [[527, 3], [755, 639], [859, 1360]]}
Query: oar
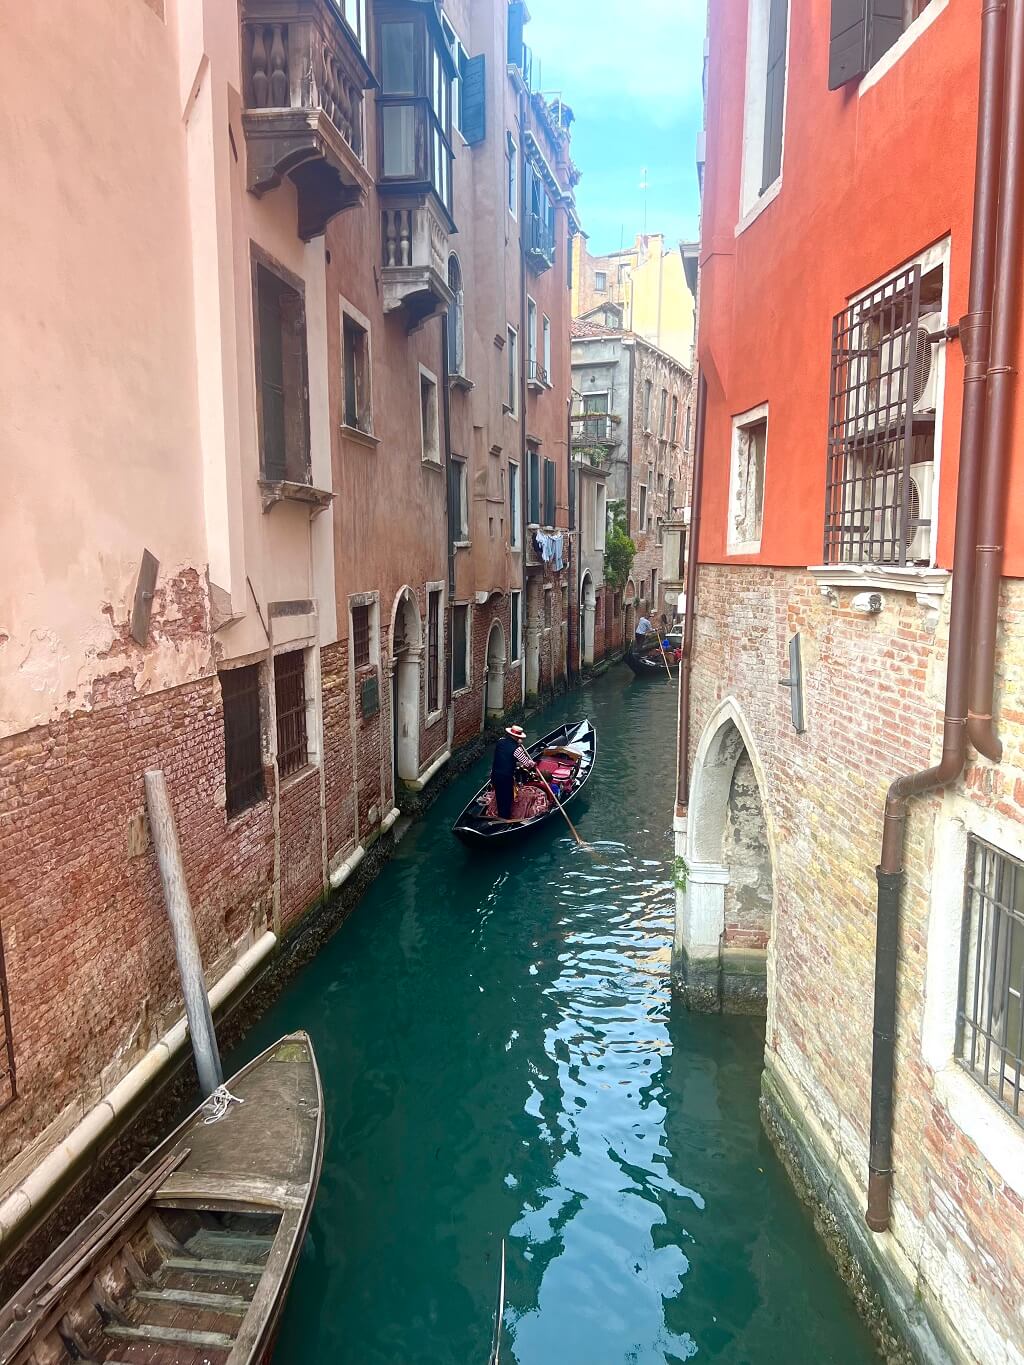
{"points": [[664, 657], [492, 1359], [575, 831]]}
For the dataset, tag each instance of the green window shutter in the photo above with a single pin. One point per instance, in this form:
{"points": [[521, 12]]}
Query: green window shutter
{"points": [[474, 100], [775, 94], [516, 23], [534, 489], [549, 492]]}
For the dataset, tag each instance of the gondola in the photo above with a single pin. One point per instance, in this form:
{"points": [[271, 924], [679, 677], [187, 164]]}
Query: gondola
{"points": [[189, 1259], [647, 665], [568, 755]]}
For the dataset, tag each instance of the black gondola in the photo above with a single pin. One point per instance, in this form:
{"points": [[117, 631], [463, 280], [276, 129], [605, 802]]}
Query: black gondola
{"points": [[576, 744], [645, 665]]}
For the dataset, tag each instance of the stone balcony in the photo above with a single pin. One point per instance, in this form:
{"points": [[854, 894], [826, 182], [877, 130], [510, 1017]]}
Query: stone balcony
{"points": [[303, 79], [414, 245]]}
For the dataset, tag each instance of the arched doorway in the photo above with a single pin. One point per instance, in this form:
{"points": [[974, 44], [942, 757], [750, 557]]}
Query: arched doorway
{"points": [[494, 672], [406, 660], [588, 610], [724, 917]]}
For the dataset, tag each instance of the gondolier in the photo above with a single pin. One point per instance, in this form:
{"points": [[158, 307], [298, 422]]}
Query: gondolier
{"points": [[509, 757], [643, 630]]}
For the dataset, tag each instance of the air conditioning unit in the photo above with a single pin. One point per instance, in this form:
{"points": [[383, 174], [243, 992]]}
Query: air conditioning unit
{"points": [[876, 384], [917, 537]]}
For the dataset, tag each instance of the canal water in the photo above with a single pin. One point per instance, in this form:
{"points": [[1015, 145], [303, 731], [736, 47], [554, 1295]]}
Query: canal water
{"points": [[503, 1059]]}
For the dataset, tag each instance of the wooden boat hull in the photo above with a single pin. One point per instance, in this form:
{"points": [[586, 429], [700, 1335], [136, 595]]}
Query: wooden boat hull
{"points": [[649, 665], [190, 1258], [477, 831]]}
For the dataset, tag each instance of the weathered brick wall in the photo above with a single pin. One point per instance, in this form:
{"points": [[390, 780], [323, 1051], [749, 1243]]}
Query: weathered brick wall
{"points": [[873, 698], [301, 833], [338, 785], [745, 852]]}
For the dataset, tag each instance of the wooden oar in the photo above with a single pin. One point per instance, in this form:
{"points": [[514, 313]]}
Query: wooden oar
{"points": [[575, 831], [664, 657]]}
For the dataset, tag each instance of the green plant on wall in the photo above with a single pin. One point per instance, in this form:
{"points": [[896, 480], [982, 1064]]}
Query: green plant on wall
{"points": [[680, 874], [619, 550]]}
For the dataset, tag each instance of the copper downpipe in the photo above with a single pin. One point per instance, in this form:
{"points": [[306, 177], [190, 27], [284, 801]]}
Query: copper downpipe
{"points": [[692, 551], [1002, 380], [975, 336]]}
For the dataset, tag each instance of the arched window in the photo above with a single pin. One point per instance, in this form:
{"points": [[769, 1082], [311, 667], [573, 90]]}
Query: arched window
{"points": [[456, 319]]}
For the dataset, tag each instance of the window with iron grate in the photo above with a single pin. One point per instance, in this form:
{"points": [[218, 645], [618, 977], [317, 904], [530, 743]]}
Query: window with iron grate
{"points": [[361, 636], [990, 1020], [290, 696], [243, 738], [433, 650]]}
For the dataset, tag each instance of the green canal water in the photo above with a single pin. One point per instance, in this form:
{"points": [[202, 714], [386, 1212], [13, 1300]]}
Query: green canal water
{"points": [[503, 1059]]}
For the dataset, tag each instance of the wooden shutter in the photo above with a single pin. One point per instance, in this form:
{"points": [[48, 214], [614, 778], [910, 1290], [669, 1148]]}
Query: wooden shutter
{"points": [[549, 492], [270, 375], [516, 22], [848, 46], [474, 100], [534, 490], [885, 24], [775, 94], [296, 386]]}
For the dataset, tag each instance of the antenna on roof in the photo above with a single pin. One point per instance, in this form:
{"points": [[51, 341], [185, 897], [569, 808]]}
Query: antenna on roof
{"points": [[644, 186]]}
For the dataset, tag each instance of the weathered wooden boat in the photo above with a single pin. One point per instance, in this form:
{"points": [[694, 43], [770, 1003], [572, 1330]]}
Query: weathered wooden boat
{"points": [[646, 665], [189, 1259], [575, 746]]}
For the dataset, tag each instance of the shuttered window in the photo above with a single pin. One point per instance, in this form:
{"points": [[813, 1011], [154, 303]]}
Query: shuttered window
{"points": [[282, 383], [516, 23], [433, 650], [549, 492], [243, 746], [861, 32], [775, 93], [533, 491], [290, 699], [474, 100]]}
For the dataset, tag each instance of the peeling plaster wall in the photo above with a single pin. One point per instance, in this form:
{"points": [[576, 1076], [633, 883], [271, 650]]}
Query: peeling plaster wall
{"points": [[745, 852]]}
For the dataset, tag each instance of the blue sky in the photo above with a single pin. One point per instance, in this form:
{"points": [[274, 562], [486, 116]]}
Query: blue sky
{"points": [[635, 88]]}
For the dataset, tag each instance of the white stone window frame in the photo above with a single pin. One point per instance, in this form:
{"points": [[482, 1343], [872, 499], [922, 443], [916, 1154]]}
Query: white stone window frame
{"points": [[312, 686], [462, 540], [546, 348], [371, 600], [643, 498], [741, 423], [901, 46], [512, 175], [972, 1108], [347, 308], [512, 363], [515, 640], [461, 691], [432, 459], [515, 534], [754, 200], [432, 717], [600, 516]]}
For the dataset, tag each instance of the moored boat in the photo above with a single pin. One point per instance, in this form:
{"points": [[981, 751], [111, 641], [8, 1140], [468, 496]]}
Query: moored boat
{"points": [[567, 755], [189, 1259], [645, 665]]}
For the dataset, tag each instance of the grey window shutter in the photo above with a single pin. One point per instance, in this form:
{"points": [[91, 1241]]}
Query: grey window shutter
{"points": [[885, 24], [775, 94], [516, 22], [474, 100], [848, 44]]}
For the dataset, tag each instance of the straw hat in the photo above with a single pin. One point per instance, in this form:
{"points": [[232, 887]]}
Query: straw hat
{"points": [[516, 731]]}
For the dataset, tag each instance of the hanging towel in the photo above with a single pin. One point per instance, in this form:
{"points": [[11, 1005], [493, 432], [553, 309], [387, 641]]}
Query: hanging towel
{"points": [[558, 543]]}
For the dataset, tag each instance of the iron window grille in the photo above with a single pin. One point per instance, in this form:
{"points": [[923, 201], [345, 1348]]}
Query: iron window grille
{"points": [[8, 1073], [290, 696], [433, 650], [880, 359], [990, 1020], [243, 738], [361, 636], [460, 636]]}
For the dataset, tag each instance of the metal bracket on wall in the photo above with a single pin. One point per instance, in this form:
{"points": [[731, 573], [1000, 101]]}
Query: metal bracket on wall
{"points": [[795, 683], [142, 607]]}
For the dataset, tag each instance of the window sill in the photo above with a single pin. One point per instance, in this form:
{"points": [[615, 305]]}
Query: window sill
{"points": [[431, 461], [432, 718], [459, 381], [881, 577], [462, 544], [744, 547], [363, 438], [274, 491], [906, 40], [979, 1117], [462, 691], [296, 778], [759, 205]]}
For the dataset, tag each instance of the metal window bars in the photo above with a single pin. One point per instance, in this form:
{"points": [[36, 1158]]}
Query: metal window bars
{"points": [[290, 696], [873, 508], [243, 741], [433, 651], [8, 1072], [360, 636], [990, 1018]]}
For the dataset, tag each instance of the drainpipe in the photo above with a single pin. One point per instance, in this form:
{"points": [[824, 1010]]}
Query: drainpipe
{"points": [[692, 550], [572, 672], [1002, 383], [975, 329]]}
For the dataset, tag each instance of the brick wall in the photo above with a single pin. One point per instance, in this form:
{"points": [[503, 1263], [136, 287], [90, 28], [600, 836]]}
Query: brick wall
{"points": [[338, 785], [873, 699]]}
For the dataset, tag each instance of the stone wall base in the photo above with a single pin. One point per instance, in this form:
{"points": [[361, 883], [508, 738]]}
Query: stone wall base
{"points": [[906, 1331], [733, 982]]}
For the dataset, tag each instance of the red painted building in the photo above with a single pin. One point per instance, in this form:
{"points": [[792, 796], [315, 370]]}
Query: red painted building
{"points": [[835, 272]]}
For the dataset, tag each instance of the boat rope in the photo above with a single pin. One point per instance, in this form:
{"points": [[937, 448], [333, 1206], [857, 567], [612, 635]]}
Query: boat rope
{"points": [[218, 1104]]}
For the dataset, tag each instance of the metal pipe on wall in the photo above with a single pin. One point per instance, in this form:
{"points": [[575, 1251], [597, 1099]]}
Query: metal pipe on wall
{"points": [[975, 331]]}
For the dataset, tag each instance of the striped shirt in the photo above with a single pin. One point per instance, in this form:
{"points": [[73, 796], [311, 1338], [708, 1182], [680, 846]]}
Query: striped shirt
{"points": [[523, 758]]}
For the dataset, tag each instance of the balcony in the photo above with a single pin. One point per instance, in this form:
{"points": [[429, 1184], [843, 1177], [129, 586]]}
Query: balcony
{"points": [[537, 376], [540, 243], [303, 79], [414, 245], [594, 430]]}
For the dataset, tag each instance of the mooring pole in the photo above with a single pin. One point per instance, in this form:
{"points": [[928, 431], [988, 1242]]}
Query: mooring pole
{"points": [[186, 947]]}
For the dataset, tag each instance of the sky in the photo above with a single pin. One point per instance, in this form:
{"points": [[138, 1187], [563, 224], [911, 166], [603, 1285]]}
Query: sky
{"points": [[635, 88]]}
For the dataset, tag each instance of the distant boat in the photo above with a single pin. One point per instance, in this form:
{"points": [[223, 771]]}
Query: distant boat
{"points": [[188, 1261], [572, 748], [645, 665]]}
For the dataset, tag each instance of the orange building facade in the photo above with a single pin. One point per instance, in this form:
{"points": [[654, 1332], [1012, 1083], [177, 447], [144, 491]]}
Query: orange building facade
{"points": [[835, 265]]}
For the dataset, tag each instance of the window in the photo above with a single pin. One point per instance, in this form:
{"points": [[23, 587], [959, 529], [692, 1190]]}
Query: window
{"points": [[662, 414], [458, 492], [282, 383], [512, 372], [290, 699], [460, 647], [765, 100], [398, 58], [990, 1028], [433, 650], [546, 356], [596, 427], [514, 644], [887, 370], [531, 341], [429, 430], [674, 429], [460, 58], [600, 517], [863, 33], [648, 390], [354, 12], [746, 480], [243, 738], [456, 319], [549, 492], [687, 430], [600, 281], [414, 101], [533, 486], [641, 520], [512, 175], [361, 635], [356, 360], [513, 505]]}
